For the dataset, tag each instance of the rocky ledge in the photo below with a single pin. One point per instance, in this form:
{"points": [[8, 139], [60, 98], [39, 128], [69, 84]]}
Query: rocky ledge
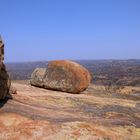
{"points": [[40, 114]]}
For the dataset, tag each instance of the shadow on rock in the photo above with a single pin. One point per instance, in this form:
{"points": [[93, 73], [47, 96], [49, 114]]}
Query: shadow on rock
{"points": [[4, 101]]}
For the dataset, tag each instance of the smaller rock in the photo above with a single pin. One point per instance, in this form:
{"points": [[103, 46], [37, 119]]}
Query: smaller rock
{"points": [[37, 77], [4, 76]]}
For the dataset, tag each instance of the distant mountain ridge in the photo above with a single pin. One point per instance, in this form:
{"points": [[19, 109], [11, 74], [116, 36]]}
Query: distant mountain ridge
{"points": [[104, 72]]}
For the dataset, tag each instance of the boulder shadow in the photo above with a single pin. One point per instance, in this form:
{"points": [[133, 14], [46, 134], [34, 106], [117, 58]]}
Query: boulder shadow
{"points": [[4, 101]]}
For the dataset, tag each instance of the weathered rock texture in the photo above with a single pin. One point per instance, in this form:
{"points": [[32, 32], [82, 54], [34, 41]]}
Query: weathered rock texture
{"points": [[4, 77], [41, 114], [62, 75], [37, 77]]}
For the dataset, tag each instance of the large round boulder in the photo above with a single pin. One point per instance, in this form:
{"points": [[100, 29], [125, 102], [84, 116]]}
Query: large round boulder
{"points": [[62, 75]]}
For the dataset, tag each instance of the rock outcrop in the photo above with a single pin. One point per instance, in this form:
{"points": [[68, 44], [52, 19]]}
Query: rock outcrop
{"points": [[62, 75], [4, 77], [40, 114]]}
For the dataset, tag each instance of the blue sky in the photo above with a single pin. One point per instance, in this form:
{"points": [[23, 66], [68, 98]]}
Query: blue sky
{"points": [[70, 29]]}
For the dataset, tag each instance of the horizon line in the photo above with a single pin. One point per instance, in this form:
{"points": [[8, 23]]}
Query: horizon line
{"points": [[33, 61]]}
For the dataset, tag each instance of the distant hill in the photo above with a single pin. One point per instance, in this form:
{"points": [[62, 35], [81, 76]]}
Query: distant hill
{"points": [[22, 71], [104, 72]]}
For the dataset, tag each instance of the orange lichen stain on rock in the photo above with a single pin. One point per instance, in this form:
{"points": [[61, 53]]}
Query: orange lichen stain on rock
{"points": [[36, 129], [100, 131], [11, 119], [78, 75], [17, 127]]}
